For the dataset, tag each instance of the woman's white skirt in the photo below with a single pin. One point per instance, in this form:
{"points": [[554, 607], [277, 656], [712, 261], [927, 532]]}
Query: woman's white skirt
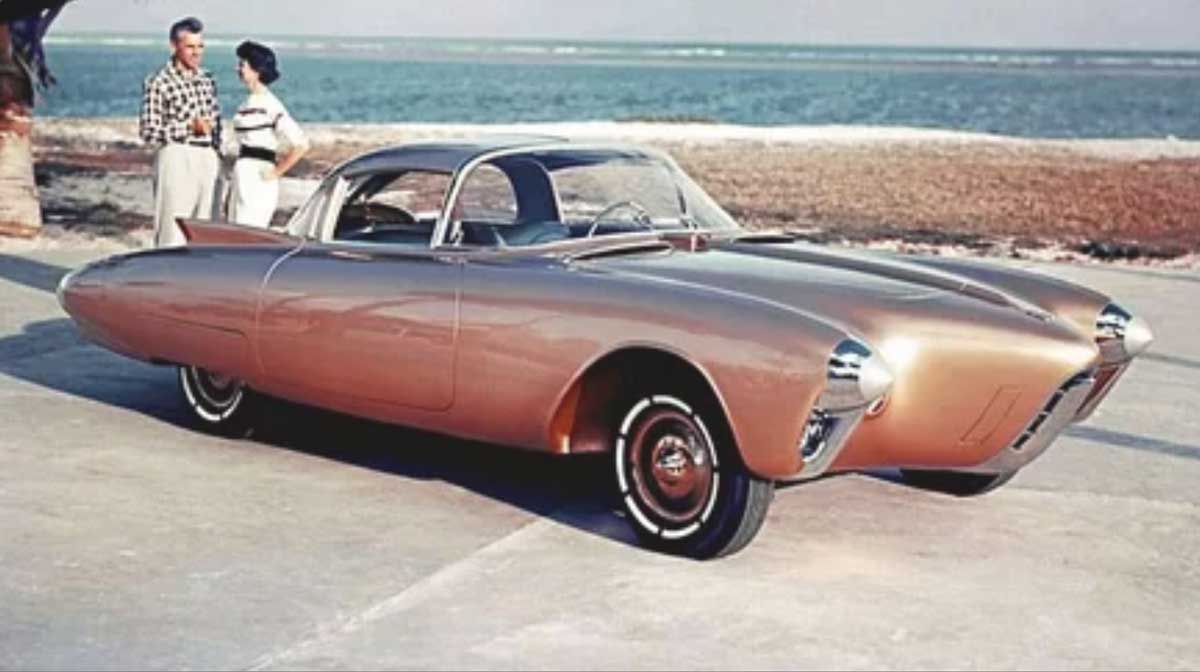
{"points": [[253, 198]]}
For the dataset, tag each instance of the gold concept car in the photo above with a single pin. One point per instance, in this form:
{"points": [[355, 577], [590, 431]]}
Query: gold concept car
{"points": [[572, 298]]}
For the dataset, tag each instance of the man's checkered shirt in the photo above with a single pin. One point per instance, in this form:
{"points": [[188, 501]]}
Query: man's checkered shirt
{"points": [[171, 99]]}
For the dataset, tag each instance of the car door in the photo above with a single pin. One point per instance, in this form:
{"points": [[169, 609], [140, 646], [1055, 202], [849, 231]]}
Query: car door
{"points": [[375, 323]]}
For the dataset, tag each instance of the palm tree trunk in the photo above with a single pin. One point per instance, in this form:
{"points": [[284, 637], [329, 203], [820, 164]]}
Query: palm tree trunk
{"points": [[20, 211]]}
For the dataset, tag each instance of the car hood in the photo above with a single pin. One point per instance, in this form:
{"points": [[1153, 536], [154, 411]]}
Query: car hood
{"points": [[856, 290]]}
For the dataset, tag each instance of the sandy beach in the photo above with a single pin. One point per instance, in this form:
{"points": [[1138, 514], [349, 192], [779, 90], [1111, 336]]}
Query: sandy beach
{"points": [[903, 188]]}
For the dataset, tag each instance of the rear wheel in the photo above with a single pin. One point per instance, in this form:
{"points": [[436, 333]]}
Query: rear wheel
{"points": [[685, 492], [221, 404], [958, 483]]}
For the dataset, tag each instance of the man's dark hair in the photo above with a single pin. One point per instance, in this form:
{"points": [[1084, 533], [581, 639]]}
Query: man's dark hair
{"points": [[189, 25]]}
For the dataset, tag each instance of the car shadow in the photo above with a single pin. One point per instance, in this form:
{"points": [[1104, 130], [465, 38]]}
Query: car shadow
{"points": [[31, 272], [577, 491]]}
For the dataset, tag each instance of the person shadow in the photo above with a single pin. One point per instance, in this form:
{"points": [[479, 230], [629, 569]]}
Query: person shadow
{"points": [[577, 491]]}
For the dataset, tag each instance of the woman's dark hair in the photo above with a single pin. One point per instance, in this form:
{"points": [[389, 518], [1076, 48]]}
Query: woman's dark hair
{"points": [[260, 59], [187, 25]]}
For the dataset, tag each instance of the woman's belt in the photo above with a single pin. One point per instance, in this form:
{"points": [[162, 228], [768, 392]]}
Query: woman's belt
{"points": [[256, 153]]}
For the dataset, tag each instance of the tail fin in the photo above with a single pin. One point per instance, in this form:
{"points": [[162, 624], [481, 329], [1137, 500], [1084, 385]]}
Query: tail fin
{"points": [[205, 232]]}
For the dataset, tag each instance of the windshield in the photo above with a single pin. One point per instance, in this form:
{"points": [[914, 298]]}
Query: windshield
{"points": [[548, 195], [701, 207]]}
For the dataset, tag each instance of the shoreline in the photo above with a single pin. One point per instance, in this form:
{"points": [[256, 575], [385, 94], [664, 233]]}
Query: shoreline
{"points": [[931, 190], [122, 132]]}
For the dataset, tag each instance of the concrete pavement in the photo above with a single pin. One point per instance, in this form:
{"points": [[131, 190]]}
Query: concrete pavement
{"points": [[128, 539]]}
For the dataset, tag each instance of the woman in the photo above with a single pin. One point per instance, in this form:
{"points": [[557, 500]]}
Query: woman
{"points": [[260, 124]]}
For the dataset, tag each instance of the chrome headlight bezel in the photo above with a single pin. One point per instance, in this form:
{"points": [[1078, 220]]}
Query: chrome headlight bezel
{"points": [[1120, 334], [855, 377]]}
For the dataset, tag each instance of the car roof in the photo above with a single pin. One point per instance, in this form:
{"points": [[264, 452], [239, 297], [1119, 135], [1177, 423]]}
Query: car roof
{"points": [[445, 156]]}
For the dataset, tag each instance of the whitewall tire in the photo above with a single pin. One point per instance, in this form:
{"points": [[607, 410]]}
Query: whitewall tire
{"points": [[221, 404], [680, 481]]}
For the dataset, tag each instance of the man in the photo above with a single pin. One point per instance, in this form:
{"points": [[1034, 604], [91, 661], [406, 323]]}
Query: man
{"points": [[182, 117]]}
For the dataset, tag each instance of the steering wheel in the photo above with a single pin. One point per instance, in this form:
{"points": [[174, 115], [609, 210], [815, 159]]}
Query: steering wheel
{"points": [[640, 215], [377, 213]]}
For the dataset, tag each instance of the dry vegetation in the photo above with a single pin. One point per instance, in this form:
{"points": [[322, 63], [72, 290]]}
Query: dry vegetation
{"points": [[959, 193], [970, 194]]}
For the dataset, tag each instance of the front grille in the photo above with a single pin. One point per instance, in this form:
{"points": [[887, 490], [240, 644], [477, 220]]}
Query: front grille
{"points": [[1085, 378]]}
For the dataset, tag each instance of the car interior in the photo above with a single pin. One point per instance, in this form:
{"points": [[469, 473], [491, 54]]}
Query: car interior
{"points": [[511, 201], [383, 207]]}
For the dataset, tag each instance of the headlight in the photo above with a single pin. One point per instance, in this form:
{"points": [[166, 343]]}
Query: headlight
{"points": [[855, 377], [1120, 335]]}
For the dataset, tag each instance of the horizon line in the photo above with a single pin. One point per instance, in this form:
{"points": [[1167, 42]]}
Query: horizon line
{"points": [[671, 41]]}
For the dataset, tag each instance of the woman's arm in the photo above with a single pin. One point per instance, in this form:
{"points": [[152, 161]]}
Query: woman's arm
{"points": [[287, 129], [293, 156]]}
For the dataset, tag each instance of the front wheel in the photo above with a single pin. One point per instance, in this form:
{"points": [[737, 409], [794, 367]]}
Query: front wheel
{"points": [[958, 483], [221, 404], [683, 492]]}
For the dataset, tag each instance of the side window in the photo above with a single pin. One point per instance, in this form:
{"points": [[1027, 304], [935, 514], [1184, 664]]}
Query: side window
{"points": [[395, 208], [486, 196]]}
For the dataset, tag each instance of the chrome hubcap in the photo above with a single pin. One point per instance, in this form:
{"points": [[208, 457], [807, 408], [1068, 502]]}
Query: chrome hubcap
{"points": [[216, 390], [671, 468]]}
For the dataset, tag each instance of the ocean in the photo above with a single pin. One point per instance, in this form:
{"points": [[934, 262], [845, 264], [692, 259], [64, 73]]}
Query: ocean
{"points": [[1026, 93]]}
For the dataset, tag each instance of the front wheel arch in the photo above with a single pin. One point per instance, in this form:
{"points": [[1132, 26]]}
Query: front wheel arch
{"points": [[584, 418]]}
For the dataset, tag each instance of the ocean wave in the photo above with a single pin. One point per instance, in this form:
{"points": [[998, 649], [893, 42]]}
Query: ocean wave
{"points": [[76, 40], [1139, 61], [925, 58], [524, 49], [687, 52]]}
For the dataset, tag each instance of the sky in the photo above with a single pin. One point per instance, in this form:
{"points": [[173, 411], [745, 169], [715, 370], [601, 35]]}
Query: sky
{"points": [[1071, 24]]}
